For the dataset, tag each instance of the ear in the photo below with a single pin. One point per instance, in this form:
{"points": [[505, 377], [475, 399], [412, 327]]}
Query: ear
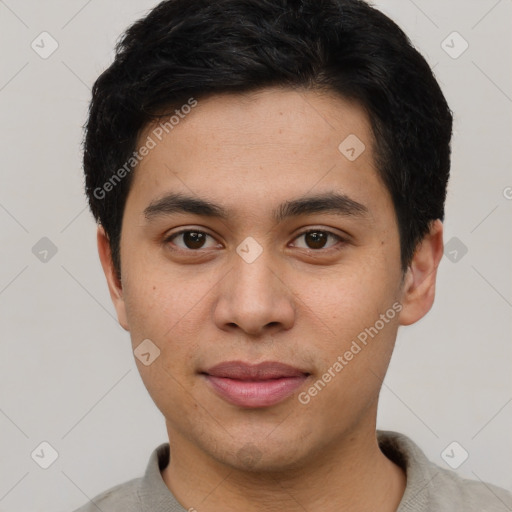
{"points": [[419, 286], [114, 284]]}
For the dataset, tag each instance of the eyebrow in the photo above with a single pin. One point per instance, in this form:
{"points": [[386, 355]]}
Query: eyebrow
{"points": [[330, 202]]}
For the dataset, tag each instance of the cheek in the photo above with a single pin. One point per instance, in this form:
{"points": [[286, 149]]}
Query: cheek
{"points": [[353, 296], [161, 310], [360, 326], [347, 312]]}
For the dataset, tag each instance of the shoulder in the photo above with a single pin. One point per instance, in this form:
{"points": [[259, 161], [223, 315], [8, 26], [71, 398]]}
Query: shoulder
{"points": [[431, 487], [144, 493], [448, 488], [121, 498]]}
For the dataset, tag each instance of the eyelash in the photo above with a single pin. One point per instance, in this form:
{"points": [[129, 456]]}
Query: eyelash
{"points": [[335, 247]]}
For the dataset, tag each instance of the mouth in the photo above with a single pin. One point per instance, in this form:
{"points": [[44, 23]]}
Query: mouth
{"points": [[251, 386]]}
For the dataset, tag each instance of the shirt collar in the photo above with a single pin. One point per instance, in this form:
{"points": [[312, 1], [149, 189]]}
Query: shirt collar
{"points": [[155, 496]]}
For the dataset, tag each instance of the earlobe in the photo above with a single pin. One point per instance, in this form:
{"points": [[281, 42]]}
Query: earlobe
{"points": [[114, 284], [418, 290]]}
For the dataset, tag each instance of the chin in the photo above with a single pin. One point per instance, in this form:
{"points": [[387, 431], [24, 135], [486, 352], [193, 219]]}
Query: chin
{"points": [[264, 457]]}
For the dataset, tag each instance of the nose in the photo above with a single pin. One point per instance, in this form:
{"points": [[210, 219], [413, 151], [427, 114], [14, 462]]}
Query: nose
{"points": [[255, 298]]}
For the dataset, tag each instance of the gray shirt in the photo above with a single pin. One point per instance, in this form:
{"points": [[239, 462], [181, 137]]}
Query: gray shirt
{"points": [[429, 488]]}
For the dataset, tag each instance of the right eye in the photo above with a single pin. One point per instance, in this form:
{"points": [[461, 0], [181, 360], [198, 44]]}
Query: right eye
{"points": [[191, 239]]}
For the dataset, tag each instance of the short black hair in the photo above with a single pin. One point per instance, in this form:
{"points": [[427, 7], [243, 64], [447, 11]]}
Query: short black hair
{"points": [[192, 49]]}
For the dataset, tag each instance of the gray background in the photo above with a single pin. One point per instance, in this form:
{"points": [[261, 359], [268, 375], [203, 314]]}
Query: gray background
{"points": [[67, 374]]}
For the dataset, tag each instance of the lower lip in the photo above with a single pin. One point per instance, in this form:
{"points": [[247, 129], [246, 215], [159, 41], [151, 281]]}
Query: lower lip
{"points": [[262, 393]]}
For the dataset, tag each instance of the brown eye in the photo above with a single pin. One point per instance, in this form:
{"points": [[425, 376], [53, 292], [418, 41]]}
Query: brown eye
{"points": [[193, 239], [190, 239], [316, 239]]}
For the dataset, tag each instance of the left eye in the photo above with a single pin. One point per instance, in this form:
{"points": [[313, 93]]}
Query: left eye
{"points": [[316, 239]]}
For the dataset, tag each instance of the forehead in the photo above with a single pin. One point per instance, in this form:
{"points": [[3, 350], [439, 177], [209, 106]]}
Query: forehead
{"points": [[251, 150], [275, 118]]}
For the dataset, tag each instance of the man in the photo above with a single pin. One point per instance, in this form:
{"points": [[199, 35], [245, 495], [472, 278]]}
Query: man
{"points": [[269, 179]]}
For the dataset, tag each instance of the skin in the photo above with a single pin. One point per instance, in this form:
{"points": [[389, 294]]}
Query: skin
{"points": [[298, 303]]}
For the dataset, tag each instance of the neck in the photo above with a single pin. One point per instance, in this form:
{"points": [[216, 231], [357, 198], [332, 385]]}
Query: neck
{"points": [[353, 475]]}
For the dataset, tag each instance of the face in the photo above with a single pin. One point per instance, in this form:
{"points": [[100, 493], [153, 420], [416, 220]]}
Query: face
{"points": [[251, 236]]}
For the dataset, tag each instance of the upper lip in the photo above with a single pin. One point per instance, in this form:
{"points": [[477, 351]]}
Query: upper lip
{"points": [[246, 371]]}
